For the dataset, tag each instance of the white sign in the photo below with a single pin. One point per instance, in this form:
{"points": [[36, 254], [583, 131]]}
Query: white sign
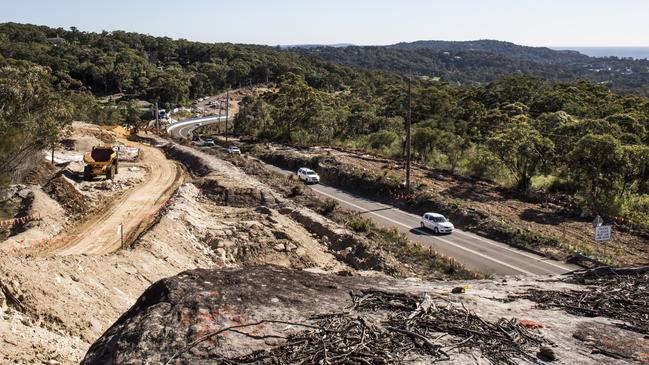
{"points": [[603, 233]]}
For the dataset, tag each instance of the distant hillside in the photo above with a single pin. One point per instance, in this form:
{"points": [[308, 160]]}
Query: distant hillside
{"points": [[338, 45], [506, 49], [486, 60]]}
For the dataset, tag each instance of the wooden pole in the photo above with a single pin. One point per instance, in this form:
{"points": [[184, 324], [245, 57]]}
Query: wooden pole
{"points": [[227, 109], [409, 122], [157, 119]]}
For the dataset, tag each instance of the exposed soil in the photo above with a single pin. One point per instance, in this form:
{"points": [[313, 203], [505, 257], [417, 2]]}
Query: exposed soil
{"points": [[213, 216], [78, 216], [224, 218]]}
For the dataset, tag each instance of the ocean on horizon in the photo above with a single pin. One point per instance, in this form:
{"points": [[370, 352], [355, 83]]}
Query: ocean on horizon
{"points": [[622, 52]]}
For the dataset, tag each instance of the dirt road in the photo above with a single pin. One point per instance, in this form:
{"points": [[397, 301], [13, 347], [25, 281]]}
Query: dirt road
{"points": [[131, 213]]}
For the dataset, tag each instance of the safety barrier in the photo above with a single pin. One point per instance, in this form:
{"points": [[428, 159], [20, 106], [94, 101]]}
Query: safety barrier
{"points": [[21, 220]]}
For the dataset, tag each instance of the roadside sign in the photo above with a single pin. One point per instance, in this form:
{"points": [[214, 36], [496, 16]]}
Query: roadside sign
{"points": [[598, 221], [603, 233]]}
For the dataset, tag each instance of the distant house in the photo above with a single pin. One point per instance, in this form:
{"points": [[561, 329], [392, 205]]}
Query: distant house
{"points": [[56, 41]]}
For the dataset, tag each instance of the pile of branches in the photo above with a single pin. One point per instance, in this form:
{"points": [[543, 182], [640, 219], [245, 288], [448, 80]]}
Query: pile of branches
{"points": [[621, 294], [389, 328]]}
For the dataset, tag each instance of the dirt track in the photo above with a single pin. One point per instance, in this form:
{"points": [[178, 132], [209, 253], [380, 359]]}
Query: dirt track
{"points": [[99, 234]]}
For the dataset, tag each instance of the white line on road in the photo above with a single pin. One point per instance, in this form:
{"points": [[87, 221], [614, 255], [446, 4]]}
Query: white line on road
{"points": [[499, 246], [428, 234]]}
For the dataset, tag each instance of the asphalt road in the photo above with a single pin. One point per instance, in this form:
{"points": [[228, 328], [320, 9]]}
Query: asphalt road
{"points": [[476, 252], [184, 128]]}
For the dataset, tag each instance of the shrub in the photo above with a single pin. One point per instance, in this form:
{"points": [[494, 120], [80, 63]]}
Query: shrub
{"points": [[296, 190], [360, 224], [329, 206], [382, 139], [636, 208]]}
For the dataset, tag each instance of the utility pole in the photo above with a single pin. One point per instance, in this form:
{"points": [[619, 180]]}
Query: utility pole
{"points": [[227, 109], [408, 134], [157, 119], [218, 126]]}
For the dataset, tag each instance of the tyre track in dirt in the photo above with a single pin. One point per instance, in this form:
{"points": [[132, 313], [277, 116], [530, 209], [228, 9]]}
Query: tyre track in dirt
{"points": [[135, 210]]}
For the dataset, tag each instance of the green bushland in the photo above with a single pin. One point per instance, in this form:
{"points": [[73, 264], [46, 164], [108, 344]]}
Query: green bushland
{"points": [[593, 142]]}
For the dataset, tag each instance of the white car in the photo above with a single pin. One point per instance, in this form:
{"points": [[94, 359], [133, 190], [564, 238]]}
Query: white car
{"points": [[308, 176], [234, 150], [437, 223]]}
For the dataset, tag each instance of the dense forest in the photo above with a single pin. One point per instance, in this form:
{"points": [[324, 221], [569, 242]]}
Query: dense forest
{"points": [[158, 68], [577, 138], [76, 71], [479, 62]]}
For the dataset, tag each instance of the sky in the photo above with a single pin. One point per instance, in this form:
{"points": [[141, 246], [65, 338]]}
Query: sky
{"points": [[552, 23]]}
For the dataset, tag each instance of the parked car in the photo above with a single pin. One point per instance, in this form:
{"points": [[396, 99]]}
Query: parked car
{"points": [[308, 176], [208, 142], [437, 223], [234, 150]]}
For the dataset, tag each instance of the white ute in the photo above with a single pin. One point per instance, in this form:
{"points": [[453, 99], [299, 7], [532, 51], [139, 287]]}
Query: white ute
{"points": [[437, 223], [308, 176]]}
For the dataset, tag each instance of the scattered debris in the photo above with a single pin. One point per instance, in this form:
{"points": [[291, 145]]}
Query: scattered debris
{"points": [[547, 354], [303, 318], [621, 294]]}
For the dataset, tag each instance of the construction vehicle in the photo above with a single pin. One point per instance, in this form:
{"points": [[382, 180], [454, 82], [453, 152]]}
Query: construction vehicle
{"points": [[102, 160]]}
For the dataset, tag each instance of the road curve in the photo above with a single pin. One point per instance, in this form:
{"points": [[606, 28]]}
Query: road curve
{"points": [[475, 252], [184, 128]]}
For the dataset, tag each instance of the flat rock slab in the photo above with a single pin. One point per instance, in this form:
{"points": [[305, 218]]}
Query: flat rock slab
{"points": [[614, 342], [175, 317], [176, 311]]}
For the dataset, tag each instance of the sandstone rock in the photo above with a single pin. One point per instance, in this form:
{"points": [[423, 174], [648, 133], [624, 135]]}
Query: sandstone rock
{"points": [[175, 311]]}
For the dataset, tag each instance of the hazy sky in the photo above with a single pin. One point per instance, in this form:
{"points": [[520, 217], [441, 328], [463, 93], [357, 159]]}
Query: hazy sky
{"points": [[536, 23]]}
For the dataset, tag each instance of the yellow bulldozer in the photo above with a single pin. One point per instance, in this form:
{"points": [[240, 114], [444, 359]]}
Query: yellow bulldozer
{"points": [[102, 160]]}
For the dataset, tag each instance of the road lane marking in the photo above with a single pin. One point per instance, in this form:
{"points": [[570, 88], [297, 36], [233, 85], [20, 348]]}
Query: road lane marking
{"points": [[428, 234], [537, 258], [188, 123], [474, 236], [466, 234]]}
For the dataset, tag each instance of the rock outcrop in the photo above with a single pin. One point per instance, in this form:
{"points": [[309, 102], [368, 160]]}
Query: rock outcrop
{"points": [[261, 312]]}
